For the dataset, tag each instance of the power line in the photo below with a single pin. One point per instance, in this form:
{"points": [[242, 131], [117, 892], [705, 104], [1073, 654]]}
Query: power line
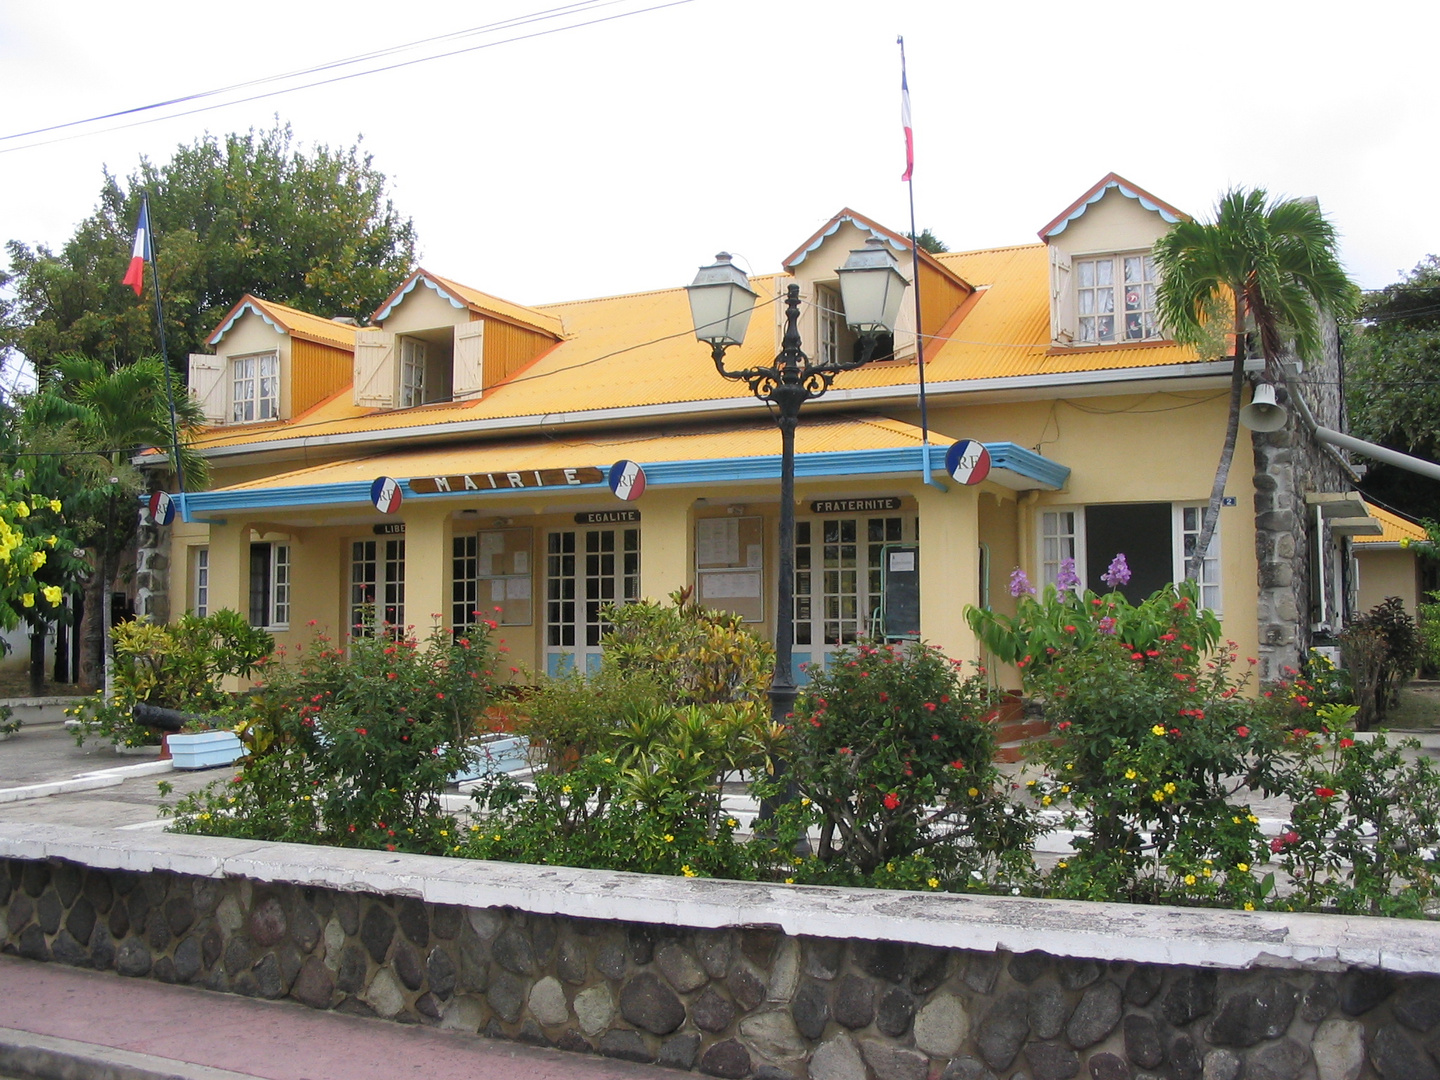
{"points": [[351, 75]]}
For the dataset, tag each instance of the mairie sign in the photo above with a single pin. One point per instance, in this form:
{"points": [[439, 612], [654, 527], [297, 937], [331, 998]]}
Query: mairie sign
{"points": [[506, 481]]}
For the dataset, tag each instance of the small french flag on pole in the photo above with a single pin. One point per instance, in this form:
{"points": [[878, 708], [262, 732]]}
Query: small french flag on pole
{"points": [[142, 252], [905, 122]]}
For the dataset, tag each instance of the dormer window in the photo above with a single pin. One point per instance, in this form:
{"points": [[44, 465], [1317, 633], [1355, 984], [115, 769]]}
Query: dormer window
{"points": [[255, 387], [1102, 316]]}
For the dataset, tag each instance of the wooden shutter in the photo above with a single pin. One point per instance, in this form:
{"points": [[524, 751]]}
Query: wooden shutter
{"points": [[1062, 299], [207, 385], [375, 372], [469, 368]]}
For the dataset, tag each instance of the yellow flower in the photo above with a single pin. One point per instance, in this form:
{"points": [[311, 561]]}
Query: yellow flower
{"points": [[52, 594], [474, 828], [973, 792], [51, 541], [1129, 774], [1069, 765], [497, 836], [804, 800], [1253, 820], [205, 816], [1236, 820], [1062, 864], [566, 789], [934, 883], [1158, 796], [798, 861], [1169, 789], [55, 505], [1064, 789], [1249, 906], [669, 839], [1207, 872], [443, 832], [1189, 879], [789, 881], [21, 510], [1046, 801], [1158, 729], [1029, 783], [37, 560], [1243, 867], [687, 871], [27, 599], [730, 821]]}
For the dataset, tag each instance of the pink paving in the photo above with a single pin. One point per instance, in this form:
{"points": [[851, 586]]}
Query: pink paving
{"points": [[275, 1040]]}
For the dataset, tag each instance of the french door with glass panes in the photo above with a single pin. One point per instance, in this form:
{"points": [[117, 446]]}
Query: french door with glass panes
{"points": [[585, 571], [377, 587], [839, 581]]}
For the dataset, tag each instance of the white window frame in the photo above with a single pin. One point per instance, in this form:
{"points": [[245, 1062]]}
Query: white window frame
{"points": [[387, 566], [200, 598], [277, 603], [1117, 262], [1211, 572], [412, 372], [829, 325], [249, 402]]}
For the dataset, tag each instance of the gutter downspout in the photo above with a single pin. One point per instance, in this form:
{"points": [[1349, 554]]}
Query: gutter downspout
{"points": [[1333, 438]]}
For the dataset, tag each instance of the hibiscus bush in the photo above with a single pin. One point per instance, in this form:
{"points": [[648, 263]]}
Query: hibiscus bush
{"points": [[892, 755]]}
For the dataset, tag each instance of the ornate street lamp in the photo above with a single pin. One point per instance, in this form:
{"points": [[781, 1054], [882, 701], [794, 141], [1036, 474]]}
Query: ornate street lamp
{"points": [[871, 288]]}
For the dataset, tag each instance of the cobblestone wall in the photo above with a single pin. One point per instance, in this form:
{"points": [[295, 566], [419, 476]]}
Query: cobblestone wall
{"points": [[743, 1002]]}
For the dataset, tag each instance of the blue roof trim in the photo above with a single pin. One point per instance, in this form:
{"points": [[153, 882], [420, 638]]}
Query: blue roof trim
{"points": [[383, 312], [1004, 455], [835, 227], [228, 323], [1165, 215]]}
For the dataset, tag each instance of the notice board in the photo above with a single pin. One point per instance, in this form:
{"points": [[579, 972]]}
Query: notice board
{"points": [[730, 565], [901, 581]]}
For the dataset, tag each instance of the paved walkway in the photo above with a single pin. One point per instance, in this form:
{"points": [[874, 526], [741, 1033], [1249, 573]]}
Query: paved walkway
{"points": [[100, 1025]]}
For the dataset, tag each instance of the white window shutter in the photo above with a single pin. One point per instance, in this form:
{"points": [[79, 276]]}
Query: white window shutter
{"points": [[469, 368], [375, 371], [1062, 299], [207, 385]]}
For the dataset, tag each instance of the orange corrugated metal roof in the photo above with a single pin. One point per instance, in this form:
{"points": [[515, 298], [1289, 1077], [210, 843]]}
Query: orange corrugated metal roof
{"points": [[694, 444], [293, 321], [1394, 528], [639, 350]]}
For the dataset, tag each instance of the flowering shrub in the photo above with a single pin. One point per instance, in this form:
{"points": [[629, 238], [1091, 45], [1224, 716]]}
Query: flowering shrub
{"points": [[32, 534], [175, 666], [892, 757], [1152, 741], [1364, 822], [355, 746]]}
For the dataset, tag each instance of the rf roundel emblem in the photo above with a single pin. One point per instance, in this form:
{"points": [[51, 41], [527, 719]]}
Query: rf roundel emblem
{"points": [[162, 508], [627, 480], [385, 494], [968, 462]]}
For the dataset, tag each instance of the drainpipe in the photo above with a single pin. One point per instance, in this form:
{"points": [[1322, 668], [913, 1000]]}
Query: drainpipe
{"points": [[1333, 438]]}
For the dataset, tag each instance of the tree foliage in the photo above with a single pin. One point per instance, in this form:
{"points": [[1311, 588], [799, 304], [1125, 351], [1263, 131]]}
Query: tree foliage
{"points": [[928, 241], [248, 213], [1392, 382]]}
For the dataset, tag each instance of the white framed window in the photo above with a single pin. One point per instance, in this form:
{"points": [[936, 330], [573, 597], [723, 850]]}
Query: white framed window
{"points": [[377, 587], [412, 372], [1187, 535], [1060, 540], [200, 597], [1155, 538], [1115, 299], [255, 387], [270, 586], [830, 325]]}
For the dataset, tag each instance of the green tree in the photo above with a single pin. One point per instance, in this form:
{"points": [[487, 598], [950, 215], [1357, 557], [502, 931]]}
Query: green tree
{"points": [[82, 428], [1273, 263], [1392, 384], [928, 241], [249, 213]]}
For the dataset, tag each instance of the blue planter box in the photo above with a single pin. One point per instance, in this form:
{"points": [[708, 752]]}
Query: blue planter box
{"points": [[204, 749]]}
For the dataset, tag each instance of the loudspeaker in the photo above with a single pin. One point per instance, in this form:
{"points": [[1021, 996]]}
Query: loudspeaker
{"points": [[1263, 414]]}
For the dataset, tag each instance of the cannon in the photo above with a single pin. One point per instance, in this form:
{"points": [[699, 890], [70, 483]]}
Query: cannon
{"points": [[167, 720]]}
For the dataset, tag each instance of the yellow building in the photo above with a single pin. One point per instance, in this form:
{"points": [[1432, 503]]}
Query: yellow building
{"points": [[500, 424]]}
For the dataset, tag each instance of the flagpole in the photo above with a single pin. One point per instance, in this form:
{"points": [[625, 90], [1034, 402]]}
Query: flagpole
{"points": [[909, 179], [165, 356]]}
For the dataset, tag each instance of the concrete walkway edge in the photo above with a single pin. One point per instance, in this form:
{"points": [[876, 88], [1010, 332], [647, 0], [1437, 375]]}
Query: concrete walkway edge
{"points": [[47, 1057]]}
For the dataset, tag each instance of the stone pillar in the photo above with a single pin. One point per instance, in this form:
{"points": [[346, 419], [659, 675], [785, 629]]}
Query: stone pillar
{"points": [[949, 567], [152, 571]]}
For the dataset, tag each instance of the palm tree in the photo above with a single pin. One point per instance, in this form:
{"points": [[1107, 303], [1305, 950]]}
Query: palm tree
{"points": [[1275, 265], [102, 419]]}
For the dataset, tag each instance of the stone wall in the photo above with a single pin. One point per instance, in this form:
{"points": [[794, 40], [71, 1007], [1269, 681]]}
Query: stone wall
{"points": [[1289, 464], [746, 1000]]}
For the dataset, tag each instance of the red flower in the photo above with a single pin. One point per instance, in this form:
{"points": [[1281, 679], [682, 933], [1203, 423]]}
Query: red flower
{"points": [[930, 705], [440, 697], [935, 738], [1167, 637], [1277, 845], [1325, 792], [1069, 629], [884, 696], [391, 675], [1152, 652], [891, 800], [360, 731], [1137, 656], [1063, 725], [958, 765], [844, 750], [1242, 731], [1291, 837], [1345, 744]]}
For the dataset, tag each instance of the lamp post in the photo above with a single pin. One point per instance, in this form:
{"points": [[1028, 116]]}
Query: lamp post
{"points": [[872, 289]]}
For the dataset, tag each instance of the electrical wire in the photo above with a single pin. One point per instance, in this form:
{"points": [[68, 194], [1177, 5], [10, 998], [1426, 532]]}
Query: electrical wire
{"points": [[351, 75]]}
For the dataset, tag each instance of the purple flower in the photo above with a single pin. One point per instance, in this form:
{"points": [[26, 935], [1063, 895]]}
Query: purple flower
{"points": [[1107, 625], [1019, 583], [1118, 574], [1067, 578]]}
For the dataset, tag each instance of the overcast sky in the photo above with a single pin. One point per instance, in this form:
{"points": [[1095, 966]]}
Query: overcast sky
{"points": [[620, 156]]}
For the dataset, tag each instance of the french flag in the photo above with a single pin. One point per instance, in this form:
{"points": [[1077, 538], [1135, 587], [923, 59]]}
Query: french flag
{"points": [[142, 253], [905, 122]]}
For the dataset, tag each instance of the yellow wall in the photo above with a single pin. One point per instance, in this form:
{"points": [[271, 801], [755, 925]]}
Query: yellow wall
{"points": [[1387, 573], [317, 371], [1115, 223], [423, 309]]}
